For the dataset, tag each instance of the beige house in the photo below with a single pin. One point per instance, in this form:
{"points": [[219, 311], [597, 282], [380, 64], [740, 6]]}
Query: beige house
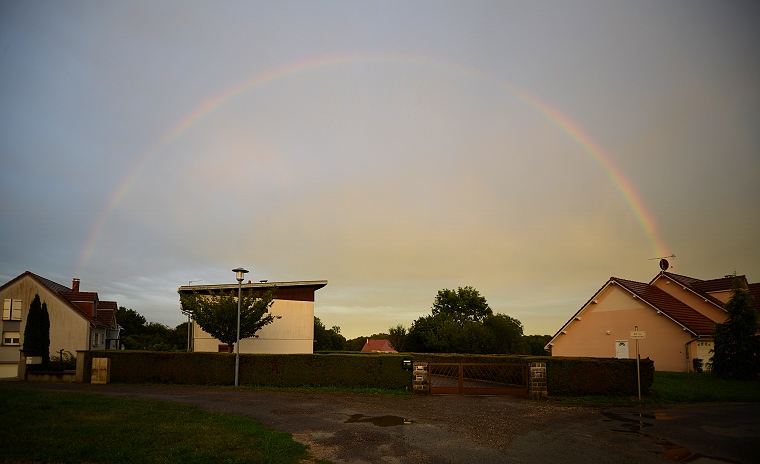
{"points": [[78, 320], [293, 332], [677, 313]]}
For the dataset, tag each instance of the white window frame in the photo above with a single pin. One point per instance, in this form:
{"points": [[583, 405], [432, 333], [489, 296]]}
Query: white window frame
{"points": [[10, 336], [95, 339]]}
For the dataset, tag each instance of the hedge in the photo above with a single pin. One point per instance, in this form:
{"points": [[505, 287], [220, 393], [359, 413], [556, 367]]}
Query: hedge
{"points": [[281, 370], [565, 376]]}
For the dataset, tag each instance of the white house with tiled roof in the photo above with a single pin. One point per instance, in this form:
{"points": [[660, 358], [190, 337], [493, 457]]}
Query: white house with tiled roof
{"points": [[78, 320], [678, 314]]}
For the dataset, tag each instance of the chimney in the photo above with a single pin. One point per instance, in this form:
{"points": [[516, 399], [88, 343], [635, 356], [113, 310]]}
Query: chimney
{"points": [[75, 285]]}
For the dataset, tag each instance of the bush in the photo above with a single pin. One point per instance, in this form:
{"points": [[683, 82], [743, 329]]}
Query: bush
{"points": [[281, 370]]}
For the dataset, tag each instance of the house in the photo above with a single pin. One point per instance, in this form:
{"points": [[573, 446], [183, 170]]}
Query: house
{"points": [[78, 320], [292, 333], [677, 313], [378, 346]]}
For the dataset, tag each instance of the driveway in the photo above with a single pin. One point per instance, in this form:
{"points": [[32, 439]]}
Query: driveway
{"points": [[375, 428]]}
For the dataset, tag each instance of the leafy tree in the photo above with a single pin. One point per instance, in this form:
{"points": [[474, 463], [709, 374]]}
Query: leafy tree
{"points": [[464, 304], [137, 334], [462, 322], [130, 321], [505, 334], [37, 330], [534, 344], [177, 337], [397, 337], [327, 339], [217, 314], [737, 345]]}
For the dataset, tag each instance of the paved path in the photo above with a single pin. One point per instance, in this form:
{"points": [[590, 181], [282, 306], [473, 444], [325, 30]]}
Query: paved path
{"points": [[366, 428]]}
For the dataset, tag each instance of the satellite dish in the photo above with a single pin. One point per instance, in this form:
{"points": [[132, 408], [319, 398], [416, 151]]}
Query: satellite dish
{"points": [[664, 264]]}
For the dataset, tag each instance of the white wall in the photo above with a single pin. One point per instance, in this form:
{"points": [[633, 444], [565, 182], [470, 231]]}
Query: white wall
{"points": [[293, 333]]}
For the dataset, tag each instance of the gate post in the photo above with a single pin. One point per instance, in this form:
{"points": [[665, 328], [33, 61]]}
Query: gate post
{"points": [[420, 380], [537, 387]]}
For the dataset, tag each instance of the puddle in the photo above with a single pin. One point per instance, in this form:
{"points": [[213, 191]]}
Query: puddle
{"points": [[379, 421], [631, 425]]}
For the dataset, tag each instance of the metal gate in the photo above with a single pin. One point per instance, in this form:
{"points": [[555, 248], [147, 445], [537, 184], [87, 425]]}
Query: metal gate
{"points": [[478, 379]]}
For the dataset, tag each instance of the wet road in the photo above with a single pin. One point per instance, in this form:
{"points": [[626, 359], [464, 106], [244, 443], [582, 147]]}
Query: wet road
{"points": [[365, 428]]}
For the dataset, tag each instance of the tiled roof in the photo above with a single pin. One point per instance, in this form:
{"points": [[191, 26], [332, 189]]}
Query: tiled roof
{"points": [[70, 297], [106, 317], [378, 345], [700, 287], [681, 278], [54, 287], [690, 318], [716, 285]]}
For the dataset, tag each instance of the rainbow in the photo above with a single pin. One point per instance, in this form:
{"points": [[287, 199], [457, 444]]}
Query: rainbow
{"points": [[557, 118]]}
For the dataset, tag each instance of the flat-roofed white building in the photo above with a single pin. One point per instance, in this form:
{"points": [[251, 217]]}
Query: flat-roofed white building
{"points": [[293, 332]]}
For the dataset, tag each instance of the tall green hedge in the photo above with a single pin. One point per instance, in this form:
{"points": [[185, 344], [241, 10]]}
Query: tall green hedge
{"points": [[282, 370], [565, 376]]}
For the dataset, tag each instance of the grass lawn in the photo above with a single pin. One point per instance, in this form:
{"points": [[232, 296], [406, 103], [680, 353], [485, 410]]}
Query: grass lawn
{"points": [[80, 427], [678, 387], [686, 387]]}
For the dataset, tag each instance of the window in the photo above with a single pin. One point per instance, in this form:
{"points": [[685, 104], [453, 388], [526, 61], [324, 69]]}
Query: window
{"points": [[11, 310], [11, 338], [96, 339]]}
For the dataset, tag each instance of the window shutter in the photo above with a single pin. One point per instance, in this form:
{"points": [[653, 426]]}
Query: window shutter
{"points": [[16, 310]]}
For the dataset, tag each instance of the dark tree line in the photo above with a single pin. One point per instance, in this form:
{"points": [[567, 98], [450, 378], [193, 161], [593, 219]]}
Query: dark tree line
{"points": [[461, 321], [137, 334]]}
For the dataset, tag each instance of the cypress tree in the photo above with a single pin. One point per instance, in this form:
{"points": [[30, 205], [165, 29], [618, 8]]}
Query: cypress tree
{"points": [[37, 330]]}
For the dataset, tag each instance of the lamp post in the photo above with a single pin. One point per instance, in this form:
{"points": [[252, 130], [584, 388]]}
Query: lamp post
{"points": [[189, 334], [239, 275]]}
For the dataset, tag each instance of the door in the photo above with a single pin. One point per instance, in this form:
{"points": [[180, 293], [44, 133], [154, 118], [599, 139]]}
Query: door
{"points": [[621, 349]]}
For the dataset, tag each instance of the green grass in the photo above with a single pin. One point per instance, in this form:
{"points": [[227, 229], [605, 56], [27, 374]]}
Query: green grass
{"points": [[362, 390], [684, 387], [80, 427], [678, 388]]}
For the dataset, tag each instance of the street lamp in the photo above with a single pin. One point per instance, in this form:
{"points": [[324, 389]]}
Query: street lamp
{"points": [[239, 275], [189, 334]]}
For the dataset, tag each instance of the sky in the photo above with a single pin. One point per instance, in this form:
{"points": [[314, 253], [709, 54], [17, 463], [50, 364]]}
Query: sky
{"points": [[529, 149]]}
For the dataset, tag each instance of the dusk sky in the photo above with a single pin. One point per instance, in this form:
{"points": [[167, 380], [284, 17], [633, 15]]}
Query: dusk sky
{"points": [[529, 149]]}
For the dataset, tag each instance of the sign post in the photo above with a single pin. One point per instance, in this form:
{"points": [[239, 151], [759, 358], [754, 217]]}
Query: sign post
{"points": [[637, 335]]}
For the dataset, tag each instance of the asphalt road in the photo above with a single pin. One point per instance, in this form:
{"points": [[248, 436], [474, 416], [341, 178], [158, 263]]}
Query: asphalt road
{"points": [[367, 428]]}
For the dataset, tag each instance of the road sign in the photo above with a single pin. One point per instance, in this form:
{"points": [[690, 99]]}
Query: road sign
{"points": [[638, 334]]}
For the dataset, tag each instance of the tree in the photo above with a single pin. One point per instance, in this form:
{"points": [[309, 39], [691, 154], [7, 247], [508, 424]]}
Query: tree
{"points": [[37, 330], [217, 314], [131, 322], [464, 304], [462, 322], [397, 337], [534, 344], [505, 334], [736, 354], [327, 339]]}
